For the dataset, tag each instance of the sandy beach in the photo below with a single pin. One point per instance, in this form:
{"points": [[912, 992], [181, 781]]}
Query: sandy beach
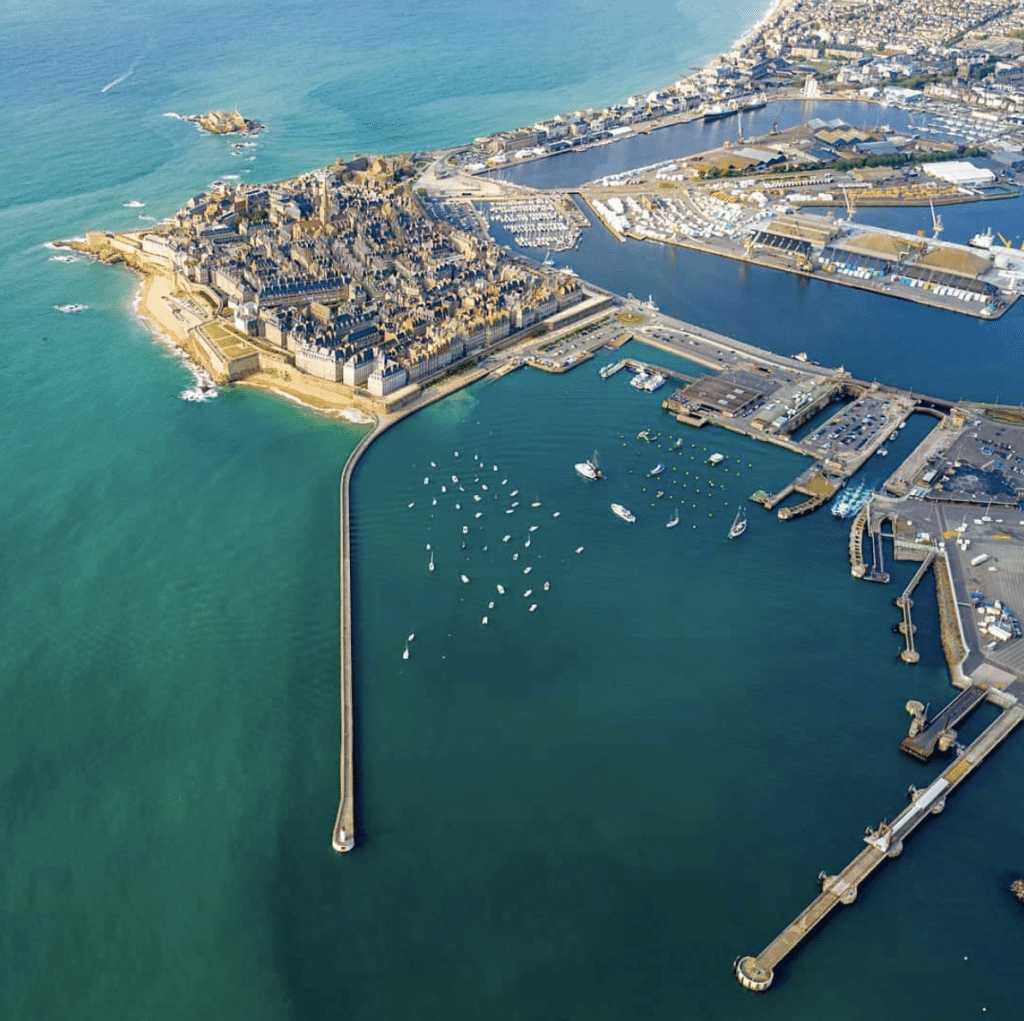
{"points": [[315, 394]]}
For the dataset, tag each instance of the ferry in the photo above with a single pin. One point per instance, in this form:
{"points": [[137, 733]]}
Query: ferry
{"points": [[851, 500], [590, 469], [621, 512], [739, 525], [647, 381]]}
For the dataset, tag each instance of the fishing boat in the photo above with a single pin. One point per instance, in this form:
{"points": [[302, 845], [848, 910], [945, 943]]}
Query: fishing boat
{"points": [[405, 654], [674, 521], [430, 566], [739, 525], [621, 512], [590, 469], [501, 589]]}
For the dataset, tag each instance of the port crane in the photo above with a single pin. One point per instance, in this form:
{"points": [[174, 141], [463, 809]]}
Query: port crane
{"points": [[936, 221], [850, 207], [1009, 244]]}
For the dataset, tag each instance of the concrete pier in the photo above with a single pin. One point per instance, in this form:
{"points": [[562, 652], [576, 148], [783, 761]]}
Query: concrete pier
{"points": [[885, 841], [344, 836], [940, 730], [906, 603]]}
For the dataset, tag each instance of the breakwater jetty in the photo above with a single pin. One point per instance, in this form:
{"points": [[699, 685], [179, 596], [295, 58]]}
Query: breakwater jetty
{"points": [[883, 842], [344, 836]]}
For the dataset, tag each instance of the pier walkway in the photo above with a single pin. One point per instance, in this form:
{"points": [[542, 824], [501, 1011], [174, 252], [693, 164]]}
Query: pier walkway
{"points": [[905, 603], [886, 841], [344, 836]]}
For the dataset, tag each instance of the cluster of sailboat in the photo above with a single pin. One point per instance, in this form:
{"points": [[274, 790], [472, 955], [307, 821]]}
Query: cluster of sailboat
{"points": [[478, 490], [590, 470]]}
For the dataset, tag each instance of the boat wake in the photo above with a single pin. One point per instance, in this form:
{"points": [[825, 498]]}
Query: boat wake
{"points": [[133, 204], [120, 78], [176, 116]]}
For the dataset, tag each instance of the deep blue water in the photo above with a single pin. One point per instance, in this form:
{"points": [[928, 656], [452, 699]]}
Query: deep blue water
{"points": [[584, 811]]}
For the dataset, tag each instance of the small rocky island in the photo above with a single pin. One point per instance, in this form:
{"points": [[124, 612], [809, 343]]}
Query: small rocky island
{"points": [[226, 122], [1017, 889]]}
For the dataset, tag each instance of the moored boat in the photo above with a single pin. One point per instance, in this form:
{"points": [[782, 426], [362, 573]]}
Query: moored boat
{"points": [[590, 469], [739, 524], [621, 512]]}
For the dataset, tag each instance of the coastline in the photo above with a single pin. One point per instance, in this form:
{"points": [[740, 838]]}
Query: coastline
{"points": [[152, 311]]}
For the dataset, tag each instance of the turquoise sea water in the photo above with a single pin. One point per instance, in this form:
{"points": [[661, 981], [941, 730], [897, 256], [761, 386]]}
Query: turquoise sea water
{"points": [[584, 811]]}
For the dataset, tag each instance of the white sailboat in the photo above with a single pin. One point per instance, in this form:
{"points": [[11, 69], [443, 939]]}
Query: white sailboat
{"points": [[674, 521], [739, 525]]}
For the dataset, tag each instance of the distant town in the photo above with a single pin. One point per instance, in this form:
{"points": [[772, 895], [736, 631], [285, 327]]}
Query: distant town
{"points": [[342, 276]]}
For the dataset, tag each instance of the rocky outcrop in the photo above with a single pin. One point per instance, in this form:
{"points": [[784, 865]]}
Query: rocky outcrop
{"points": [[226, 122]]}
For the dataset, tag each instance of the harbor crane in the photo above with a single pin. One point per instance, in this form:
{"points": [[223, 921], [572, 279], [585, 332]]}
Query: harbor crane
{"points": [[850, 207], [936, 221], [1009, 244]]}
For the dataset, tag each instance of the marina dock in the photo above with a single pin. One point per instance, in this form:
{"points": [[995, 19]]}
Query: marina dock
{"points": [[883, 842]]}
